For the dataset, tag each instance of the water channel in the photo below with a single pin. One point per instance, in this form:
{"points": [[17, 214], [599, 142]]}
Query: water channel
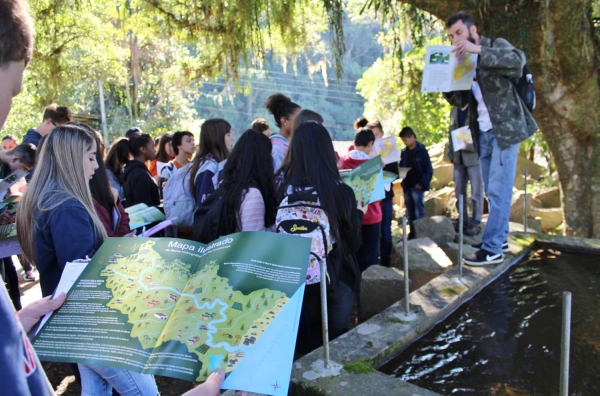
{"points": [[506, 340]]}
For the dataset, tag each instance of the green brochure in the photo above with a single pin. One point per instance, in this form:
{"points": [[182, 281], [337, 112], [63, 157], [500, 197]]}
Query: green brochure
{"points": [[183, 309]]}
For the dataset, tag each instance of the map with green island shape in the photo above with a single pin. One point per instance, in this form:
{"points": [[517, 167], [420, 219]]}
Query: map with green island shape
{"points": [[165, 302]]}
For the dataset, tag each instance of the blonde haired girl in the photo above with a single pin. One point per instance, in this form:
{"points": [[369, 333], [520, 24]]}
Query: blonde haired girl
{"points": [[57, 223]]}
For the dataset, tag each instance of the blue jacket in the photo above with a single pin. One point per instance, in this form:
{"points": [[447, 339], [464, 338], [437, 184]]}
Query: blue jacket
{"points": [[63, 234], [422, 165]]}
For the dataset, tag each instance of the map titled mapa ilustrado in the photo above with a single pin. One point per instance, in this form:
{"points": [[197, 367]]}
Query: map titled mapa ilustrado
{"points": [[183, 309]]}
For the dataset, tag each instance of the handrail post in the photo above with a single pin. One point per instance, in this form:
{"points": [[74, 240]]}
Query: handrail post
{"points": [[525, 203], [324, 313], [565, 344], [405, 259], [460, 235]]}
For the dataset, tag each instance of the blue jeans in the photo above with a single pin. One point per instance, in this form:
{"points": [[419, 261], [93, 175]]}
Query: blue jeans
{"points": [[387, 211], [414, 199], [100, 380], [498, 169]]}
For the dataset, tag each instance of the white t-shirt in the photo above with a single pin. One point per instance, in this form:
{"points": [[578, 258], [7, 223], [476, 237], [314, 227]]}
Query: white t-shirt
{"points": [[483, 115]]}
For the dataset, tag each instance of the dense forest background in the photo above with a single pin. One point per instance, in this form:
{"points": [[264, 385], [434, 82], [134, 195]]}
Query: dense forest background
{"points": [[154, 76]]}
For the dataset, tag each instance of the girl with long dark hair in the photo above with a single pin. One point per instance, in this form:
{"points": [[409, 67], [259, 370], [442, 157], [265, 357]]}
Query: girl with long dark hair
{"points": [[313, 167], [116, 158], [248, 186], [216, 142]]}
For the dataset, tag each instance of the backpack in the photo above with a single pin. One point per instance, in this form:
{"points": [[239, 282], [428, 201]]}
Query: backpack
{"points": [[178, 202], [524, 86], [301, 214], [209, 218]]}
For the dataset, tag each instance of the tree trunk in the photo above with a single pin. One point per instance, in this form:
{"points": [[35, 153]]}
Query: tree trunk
{"points": [[562, 52]]}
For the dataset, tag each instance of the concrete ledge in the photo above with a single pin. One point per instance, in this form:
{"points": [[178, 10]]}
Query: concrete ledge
{"points": [[383, 336]]}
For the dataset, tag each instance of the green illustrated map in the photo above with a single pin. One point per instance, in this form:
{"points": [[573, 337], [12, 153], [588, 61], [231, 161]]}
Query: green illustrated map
{"points": [[165, 302], [183, 309], [363, 179]]}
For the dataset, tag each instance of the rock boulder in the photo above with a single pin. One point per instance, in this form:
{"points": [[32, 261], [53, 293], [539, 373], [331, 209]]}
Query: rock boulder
{"points": [[426, 260], [380, 288], [550, 197]]}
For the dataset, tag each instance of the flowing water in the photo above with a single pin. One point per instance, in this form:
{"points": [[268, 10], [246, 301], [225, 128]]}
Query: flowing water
{"points": [[506, 340]]}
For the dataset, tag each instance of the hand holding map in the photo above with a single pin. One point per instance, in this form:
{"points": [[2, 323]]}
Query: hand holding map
{"points": [[445, 71], [461, 138]]}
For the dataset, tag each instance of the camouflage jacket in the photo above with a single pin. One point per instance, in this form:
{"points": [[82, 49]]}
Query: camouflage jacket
{"points": [[467, 157], [511, 121]]}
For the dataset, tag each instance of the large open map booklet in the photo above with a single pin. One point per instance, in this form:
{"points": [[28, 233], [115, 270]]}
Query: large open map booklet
{"points": [[183, 309]]}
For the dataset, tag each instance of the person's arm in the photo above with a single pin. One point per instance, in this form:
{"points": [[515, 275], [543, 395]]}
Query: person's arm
{"points": [[123, 228], [278, 155], [203, 185], [351, 231], [502, 59], [73, 234], [458, 98], [428, 170], [252, 211]]}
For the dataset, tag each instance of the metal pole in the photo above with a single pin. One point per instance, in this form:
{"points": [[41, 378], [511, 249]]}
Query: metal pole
{"points": [[103, 113], [461, 217], [566, 344], [525, 204], [405, 257], [324, 313]]}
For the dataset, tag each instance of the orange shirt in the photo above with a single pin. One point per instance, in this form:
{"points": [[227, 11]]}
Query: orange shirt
{"points": [[152, 167]]}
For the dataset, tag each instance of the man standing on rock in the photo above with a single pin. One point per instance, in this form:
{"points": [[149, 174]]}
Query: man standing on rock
{"points": [[498, 120]]}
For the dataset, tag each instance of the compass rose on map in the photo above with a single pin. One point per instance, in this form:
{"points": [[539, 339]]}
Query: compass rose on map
{"points": [[276, 385]]}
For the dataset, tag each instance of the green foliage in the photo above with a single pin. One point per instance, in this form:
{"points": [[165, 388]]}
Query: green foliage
{"points": [[392, 89]]}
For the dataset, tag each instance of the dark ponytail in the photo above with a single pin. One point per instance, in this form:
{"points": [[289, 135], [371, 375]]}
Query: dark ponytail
{"points": [[280, 106]]}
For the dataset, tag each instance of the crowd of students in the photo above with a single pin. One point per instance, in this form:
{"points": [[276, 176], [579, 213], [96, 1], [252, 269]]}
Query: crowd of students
{"points": [[78, 191]]}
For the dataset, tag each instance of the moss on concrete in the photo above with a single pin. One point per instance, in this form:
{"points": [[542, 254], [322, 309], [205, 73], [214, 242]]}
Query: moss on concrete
{"points": [[396, 320], [453, 291], [360, 367], [369, 344]]}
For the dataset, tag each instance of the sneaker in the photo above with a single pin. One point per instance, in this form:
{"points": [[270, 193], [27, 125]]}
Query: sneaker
{"points": [[483, 257], [505, 247], [29, 276]]}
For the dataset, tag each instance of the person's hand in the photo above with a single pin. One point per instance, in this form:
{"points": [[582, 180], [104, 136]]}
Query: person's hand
{"points": [[7, 218], [32, 313], [464, 46], [418, 187], [212, 386], [362, 207]]}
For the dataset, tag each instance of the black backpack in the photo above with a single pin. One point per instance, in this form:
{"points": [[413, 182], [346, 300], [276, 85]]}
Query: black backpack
{"points": [[524, 86], [209, 218]]}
